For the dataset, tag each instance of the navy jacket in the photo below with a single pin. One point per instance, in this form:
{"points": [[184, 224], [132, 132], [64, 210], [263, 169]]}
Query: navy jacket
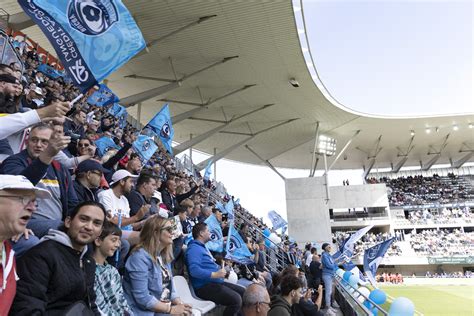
{"points": [[35, 170]]}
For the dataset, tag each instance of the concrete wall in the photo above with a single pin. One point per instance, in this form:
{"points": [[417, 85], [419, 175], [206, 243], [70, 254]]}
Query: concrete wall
{"points": [[307, 211], [365, 195]]}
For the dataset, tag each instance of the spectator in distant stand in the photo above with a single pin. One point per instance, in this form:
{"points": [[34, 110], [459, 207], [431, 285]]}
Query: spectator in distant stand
{"points": [[207, 278], [58, 273], [17, 203], [290, 294], [256, 301]]}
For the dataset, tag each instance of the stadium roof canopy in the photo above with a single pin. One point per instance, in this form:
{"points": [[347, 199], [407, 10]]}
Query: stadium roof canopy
{"points": [[264, 36]]}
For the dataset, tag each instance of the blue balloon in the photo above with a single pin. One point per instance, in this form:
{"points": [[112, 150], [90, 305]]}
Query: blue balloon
{"points": [[346, 276], [375, 311], [353, 281], [378, 296], [266, 232], [368, 305], [402, 306]]}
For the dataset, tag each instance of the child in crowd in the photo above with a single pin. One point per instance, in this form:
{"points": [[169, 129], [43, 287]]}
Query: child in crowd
{"points": [[108, 283]]}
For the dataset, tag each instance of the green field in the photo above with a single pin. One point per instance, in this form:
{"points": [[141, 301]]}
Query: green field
{"points": [[437, 300]]}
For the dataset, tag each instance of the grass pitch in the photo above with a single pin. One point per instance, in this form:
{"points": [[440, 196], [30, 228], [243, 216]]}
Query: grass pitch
{"points": [[440, 300]]}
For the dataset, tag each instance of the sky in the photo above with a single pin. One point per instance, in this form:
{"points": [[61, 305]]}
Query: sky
{"points": [[394, 58], [379, 57]]}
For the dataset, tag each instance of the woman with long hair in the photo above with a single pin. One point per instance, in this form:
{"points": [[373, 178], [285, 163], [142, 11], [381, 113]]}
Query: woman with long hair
{"points": [[148, 282]]}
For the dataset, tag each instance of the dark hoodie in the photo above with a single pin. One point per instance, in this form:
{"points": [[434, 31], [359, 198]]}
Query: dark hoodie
{"points": [[54, 276], [279, 307]]}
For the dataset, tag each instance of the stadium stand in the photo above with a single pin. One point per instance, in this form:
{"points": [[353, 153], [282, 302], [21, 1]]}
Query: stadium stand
{"points": [[175, 189]]}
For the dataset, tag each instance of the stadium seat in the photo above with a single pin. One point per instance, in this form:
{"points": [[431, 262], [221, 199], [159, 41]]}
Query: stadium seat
{"points": [[184, 292]]}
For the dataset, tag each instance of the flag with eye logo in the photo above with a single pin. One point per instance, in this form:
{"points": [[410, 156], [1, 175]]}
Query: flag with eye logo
{"points": [[145, 147], [236, 249], [102, 97], [161, 126], [216, 242], [91, 38], [104, 144]]}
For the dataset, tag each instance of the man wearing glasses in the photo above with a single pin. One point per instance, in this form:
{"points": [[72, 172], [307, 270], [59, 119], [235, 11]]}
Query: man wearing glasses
{"points": [[17, 204], [37, 164], [256, 301]]}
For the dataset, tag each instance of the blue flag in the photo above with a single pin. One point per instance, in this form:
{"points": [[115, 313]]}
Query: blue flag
{"points": [[236, 249], [347, 250], [161, 126], [221, 207], [104, 144], [145, 147], [373, 257], [208, 171], [217, 239], [102, 97], [229, 210], [50, 71], [91, 38], [277, 220], [120, 112]]}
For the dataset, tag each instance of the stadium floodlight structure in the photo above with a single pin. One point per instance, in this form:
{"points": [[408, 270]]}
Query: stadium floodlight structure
{"points": [[326, 145]]}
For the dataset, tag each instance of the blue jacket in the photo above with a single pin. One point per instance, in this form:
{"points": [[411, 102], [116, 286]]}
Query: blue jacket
{"points": [[200, 265], [329, 265], [35, 170], [142, 283]]}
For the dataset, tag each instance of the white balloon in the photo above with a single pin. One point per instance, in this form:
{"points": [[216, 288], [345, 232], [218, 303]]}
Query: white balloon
{"points": [[364, 291], [274, 238]]}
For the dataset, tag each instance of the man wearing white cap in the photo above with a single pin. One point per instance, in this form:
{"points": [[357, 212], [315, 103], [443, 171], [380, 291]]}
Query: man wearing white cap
{"points": [[117, 206], [17, 203]]}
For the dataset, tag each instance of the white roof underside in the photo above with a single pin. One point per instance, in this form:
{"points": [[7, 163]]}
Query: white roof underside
{"points": [[264, 35]]}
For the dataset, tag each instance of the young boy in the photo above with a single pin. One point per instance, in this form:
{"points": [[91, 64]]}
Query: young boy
{"points": [[108, 285]]}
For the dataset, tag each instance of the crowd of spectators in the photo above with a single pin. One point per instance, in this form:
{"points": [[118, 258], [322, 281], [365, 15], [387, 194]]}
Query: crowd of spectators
{"points": [[104, 233], [419, 190], [442, 242], [389, 277], [443, 216], [455, 275]]}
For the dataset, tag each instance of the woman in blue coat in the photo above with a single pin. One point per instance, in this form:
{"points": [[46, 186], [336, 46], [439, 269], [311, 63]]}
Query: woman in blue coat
{"points": [[329, 269], [148, 281]]}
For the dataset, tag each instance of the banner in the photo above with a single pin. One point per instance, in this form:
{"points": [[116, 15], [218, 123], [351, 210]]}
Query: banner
{"points": [[236, 249], [102, 97], [216, 243], [104, 144], [451, 260], [373, 256], [161, 126], [145, 147], [91, 38], [277, 220]]}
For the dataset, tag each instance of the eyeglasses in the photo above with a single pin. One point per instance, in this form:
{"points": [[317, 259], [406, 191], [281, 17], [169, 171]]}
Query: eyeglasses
{"points": [[83, 145], [169, 229], [25, 200]]}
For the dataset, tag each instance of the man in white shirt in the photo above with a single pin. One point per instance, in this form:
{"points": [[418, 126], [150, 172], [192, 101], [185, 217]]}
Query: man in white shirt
{"points": [[117, 207]]}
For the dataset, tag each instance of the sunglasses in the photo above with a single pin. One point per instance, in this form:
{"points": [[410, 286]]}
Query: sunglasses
{"points": [[83, 145], [169, 229]]}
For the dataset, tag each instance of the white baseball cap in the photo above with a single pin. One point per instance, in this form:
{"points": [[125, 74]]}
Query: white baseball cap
{"points": [[22, 183], [120, 175]]}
